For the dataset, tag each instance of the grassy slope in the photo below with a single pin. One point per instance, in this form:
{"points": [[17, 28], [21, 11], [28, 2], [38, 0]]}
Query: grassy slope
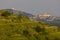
{"points": [[21, 28]]}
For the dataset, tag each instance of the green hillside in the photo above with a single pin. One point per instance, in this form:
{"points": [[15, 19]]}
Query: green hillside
{"points": [[22, 28]]}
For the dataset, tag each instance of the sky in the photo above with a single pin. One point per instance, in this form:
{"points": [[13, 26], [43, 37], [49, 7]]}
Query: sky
{"points": [[33, 6]]}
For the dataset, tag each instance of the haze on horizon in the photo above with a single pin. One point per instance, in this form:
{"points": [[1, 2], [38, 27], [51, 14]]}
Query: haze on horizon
{"points": [[33, 6]]}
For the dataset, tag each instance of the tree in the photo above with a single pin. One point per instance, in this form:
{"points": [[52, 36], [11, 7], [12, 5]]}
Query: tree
{"points": [[6, 14]]}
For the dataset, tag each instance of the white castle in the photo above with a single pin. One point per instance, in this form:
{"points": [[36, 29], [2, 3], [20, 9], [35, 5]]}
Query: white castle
{"points": [[45, 15]]}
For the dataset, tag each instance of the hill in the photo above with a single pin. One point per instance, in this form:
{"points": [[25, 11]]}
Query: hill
{"points": [[16, 12], [48, 18], [22, 28]]}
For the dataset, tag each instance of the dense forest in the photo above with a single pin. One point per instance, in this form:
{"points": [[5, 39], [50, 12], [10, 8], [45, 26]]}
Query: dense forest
{"points": [[22, 28]]}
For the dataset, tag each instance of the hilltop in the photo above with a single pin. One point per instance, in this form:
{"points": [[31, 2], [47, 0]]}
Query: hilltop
{"points": [[16, 12]]}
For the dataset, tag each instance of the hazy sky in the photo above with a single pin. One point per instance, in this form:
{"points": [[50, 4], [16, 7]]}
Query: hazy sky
{"points": [[33, 6]]}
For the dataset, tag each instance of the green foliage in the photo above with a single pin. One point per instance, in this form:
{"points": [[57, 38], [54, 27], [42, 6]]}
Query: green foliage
{"points": [[38, 29], [25, 32], [6, 14], [20, 16], [21, 28]]}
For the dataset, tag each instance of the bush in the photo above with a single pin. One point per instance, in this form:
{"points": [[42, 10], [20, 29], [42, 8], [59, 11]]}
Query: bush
{"points": [[6, 14]]}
